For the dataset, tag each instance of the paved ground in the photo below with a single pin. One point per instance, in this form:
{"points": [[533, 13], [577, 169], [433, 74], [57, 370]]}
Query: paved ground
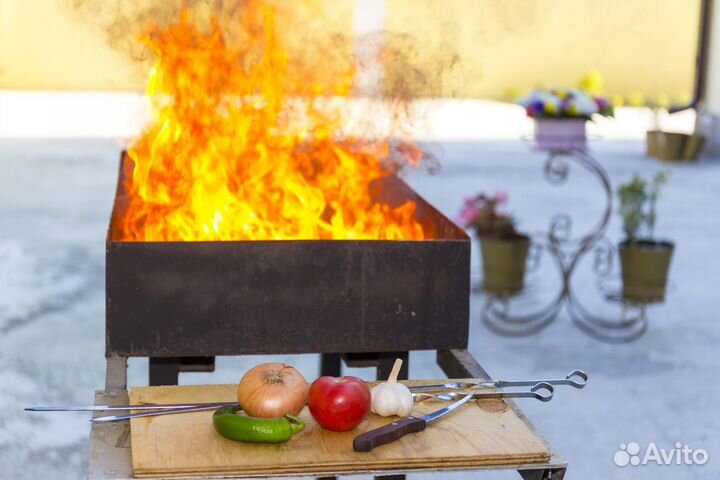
{"points": [[55, 198]]}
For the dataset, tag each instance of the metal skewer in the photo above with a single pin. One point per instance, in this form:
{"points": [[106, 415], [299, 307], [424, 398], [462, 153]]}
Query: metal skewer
{"points": [[576, 378], [115, 418], [103, 408], [542, 391]]}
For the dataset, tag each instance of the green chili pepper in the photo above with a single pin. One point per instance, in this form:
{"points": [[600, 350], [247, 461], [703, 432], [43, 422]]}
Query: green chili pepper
{"points": [[253, 429]]}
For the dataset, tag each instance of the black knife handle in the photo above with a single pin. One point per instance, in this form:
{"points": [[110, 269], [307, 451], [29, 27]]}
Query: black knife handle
{"points": [[388, 433]]}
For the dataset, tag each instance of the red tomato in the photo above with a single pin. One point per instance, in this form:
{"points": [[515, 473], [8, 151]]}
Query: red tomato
{"points": [[339, 403]]}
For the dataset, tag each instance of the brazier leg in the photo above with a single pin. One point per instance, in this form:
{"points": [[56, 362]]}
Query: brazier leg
{"points": [[197, 364], [460, 364], [543, 474], [330, 364], [115, 373], [386, 362], [164, 371]]}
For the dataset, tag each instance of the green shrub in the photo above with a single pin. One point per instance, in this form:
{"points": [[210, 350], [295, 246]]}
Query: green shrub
{"points": [[638, 199]]}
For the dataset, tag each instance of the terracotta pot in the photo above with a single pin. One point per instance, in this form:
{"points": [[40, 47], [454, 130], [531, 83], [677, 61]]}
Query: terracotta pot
{"points": [[645, 265], [503, 264], [560, 133]]}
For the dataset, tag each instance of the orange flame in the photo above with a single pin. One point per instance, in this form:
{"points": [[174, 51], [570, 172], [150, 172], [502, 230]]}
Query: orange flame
{"points": [[248, 141]]}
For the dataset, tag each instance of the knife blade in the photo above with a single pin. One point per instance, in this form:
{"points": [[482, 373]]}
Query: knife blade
{"points": [[396, 430]]}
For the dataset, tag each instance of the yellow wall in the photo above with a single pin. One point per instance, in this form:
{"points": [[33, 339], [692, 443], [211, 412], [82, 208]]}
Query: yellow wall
{"points": [[64, 44], [44, 44], [503, 47]]}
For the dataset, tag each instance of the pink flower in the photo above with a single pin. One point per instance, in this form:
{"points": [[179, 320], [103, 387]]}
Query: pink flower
{"points": [[501, 197], [468, 215]]}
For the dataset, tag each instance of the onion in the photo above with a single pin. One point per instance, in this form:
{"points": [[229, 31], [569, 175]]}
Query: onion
{"points": [[272, 390]]}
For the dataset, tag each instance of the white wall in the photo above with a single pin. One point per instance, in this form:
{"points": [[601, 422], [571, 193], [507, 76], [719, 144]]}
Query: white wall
{"points": [[711, 123], [713, 72]]}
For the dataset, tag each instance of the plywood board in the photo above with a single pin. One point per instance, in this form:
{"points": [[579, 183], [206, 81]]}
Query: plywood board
{"points": [[478, 434]]}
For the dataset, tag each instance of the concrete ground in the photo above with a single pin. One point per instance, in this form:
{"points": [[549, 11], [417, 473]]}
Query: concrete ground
{"points": [[55, 199]]}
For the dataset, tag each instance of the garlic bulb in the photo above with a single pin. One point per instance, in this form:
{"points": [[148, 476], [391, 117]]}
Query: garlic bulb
{"points": [[392, 398]]}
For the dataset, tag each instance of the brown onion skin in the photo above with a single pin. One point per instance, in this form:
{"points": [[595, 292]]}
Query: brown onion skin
{"points": [[271, 390]]}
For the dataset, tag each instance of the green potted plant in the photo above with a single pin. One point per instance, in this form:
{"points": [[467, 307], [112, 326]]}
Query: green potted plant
{"points": [[644, 261], [504, 250]]}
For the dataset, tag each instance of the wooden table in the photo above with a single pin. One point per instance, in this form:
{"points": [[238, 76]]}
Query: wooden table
{"points": [[110, 453]]}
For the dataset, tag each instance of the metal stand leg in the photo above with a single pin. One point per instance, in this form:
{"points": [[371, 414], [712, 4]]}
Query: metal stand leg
{"points": [[331, 364], [164, 371], [386, 362], [460, 364], [544, 474], [383, 362], [116, 373]]}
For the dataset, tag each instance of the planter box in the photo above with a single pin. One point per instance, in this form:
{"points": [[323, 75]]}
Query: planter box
{"points": [[693, 147], [666, 146], [561, 134]]}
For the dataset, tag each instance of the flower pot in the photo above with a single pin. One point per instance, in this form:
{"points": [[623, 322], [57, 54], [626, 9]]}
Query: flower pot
{"points": [[666, 146], [645, 266], [503, 263], [560, 133], [693, 146], [652, 138]]}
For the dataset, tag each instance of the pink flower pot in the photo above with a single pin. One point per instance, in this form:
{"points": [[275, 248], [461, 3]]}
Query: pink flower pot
{"points": [[560, 134]]}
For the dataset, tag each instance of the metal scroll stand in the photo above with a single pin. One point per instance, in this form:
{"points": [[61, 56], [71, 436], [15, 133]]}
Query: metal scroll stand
{"points": [[567, 252]]}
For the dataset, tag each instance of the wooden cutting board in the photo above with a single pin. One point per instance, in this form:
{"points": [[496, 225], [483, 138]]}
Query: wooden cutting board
{"points": [[478, 434]]}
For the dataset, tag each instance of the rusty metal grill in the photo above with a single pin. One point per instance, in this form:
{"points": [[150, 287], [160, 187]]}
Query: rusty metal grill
{"points": [[181, 299]]}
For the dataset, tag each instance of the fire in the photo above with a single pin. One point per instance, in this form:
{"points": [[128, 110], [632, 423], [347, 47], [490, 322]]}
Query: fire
{"points": [[249, 140]]}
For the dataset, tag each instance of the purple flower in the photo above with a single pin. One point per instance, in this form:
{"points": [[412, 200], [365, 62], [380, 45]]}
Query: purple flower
{"points": [[602, 103], [538, 106]]}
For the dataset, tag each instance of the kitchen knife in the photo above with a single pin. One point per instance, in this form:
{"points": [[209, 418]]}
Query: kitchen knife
{"points": [[396, 430]]}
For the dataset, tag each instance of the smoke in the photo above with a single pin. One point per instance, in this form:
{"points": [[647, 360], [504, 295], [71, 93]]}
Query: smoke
{"points": [[412, 73], [407, 72], [322, 52]]}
